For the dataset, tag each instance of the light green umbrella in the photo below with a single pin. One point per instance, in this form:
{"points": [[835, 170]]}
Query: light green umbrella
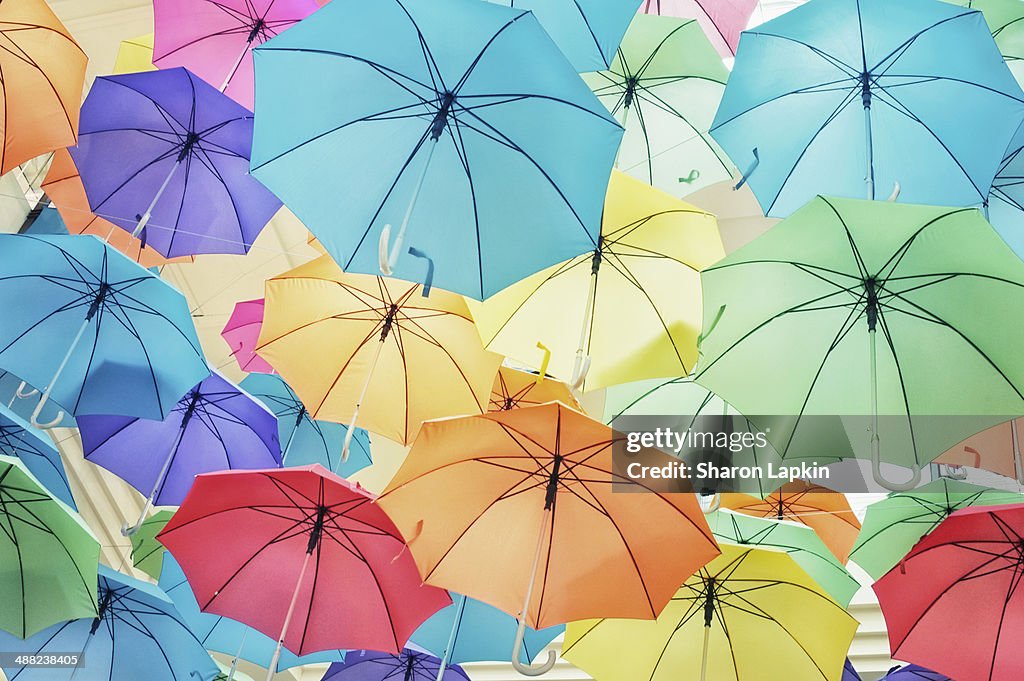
{"points": [[1006, 21], [892, 526], [664, 86], [48, 556], [799, 541], [147, 552], [860, 309]]}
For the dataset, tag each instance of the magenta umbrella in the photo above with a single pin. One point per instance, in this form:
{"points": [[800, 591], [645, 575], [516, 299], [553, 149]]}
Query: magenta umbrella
{"points": [[241, 333], [722, 20], [214, 38]]}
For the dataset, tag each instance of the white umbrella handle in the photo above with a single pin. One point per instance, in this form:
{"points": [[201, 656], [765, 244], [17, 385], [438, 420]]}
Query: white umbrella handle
{"points": [[56, 377], [876, 446], [545, 667], [452, 637], [387, 261]]}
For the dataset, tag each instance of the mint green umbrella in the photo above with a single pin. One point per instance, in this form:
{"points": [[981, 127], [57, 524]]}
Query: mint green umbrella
{"points": [[48, 556], [147, 551], [892, 526], [860, 309], [799, 541]]}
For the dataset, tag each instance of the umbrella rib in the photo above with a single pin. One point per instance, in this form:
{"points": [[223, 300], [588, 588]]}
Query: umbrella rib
{"points": [[904, 47], [53, 89]]}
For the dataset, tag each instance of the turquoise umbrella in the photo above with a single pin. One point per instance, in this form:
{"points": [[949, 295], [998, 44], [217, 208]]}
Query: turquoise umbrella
{"points": [[37, 452], [458, 122]]}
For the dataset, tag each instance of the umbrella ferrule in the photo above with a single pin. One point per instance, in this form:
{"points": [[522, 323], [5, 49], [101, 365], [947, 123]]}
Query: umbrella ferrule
{"points": [[101, 295], [709, 602], [317, 531], [437, 126], [552, 488], [256, 28], [389, 319], [871, 287], [865, 89]]}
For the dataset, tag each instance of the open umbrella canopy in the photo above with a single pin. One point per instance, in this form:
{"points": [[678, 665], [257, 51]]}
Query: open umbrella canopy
{"points": [[627, 309], [995, 449], [664, 86], [36, 451], [135, 54], [147, 551], [214, 39], [868, 95], [722, 20], [913, 672], [43, 73], [373, 351], [856, 303], [515, 388], [966, 571], [892, 526], [1005, 203], [849, 673], [136, 635], [408, 665], [165, 149], [241, 332], [470, 132], [48, 553], [104, 335], [749, 614], [1004, 20], [305, 440]]}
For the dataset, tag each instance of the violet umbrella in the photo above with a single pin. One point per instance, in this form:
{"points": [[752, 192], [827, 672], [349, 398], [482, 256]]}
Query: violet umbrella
{"points": [[166, 147], [411, 664], [241, 333], [722, 20], [214, 38], [215, 426]]}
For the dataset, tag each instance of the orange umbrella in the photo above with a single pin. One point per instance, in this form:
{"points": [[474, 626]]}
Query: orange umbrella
{"points": [[996, 449], [374, 352], [43, 73], [482, 499], [64, 187], [825, 511], [514, 388]]}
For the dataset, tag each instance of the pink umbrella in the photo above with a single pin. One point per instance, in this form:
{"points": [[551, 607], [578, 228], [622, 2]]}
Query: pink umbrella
{"points": [[214, 39], [722, 20], [241, 333]]}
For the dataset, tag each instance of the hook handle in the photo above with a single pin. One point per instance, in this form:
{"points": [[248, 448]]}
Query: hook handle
{"points": [[876, 471], [579, 371], [716, 503], [21, 394], [952, 472], [544, 362], [528, 669], [384, 260], [895, 191], [691, 178], [750, 170], [127, 531], [428, 281], [45, 425], [711, 327]]}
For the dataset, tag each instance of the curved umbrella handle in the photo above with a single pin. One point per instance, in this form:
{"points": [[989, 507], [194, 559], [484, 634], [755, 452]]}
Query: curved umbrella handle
{"points": [[579, 372], [128, 531], [876, 472], [21, 394], [526, 669], [952, 472], [34, 419], [428, 281], [544, 362], [716, 503], [896, 188], [383, 248]]}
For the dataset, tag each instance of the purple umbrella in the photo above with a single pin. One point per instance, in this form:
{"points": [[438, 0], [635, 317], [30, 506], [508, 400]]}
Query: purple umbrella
{"points": [[849, 673], [410, 665], [912, 672], [166, 149], [216, 426]]}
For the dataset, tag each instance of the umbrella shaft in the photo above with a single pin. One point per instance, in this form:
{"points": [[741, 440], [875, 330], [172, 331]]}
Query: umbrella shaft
{"points": [[234, 68], [588, 314], [625, 118], [162, 475], [869, 175], [288, 618], [396, 248], [704, 654], [234, 662], [451, 638], [152, 204], [288, 444], [362, 395], [1018, 465]]}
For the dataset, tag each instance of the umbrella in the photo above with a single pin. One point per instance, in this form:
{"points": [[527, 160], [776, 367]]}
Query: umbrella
{"points": [[15, 393], [1005, 203], [869, 95], [37, 452], [995, 449], [373, 351], [739, 215], [147, 551], [135, 54], [165, 146], [214, 39], [749, 614], [487, 149], [522, 474], [44, 70], [48, 553], [722, 20], [892, 526], [241, 333], [825, 511], [799, 541], [849, 673], [664, 86], [306, 440], [54, 289], [137, 635], [913, 672], [326, 561], [626, 310], [409, 665], [952, 604], [225, 635], [472, 631], [514, 388], [857, 302], [1004, 20], [64, 187], [215, 426]]}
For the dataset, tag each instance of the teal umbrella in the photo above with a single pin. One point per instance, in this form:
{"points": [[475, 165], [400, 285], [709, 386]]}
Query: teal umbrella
{"points": [[901, 319], [892, 526], [800, 541]]}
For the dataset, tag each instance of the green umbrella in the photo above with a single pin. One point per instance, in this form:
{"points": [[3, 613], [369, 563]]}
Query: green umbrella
{"points": [[799, 541], [48, 556], [664, 86], [147, 552], [892, 526], [683, 398], [1006, 21], [860, 309]]}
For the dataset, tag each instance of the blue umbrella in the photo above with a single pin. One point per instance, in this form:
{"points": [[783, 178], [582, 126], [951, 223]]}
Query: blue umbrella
{"points": [[850, 97], [15, 392], [216, 426], [37, 452], [459, 121], [913, 672], [1005, 205], [225, 635], [472, 631], [95, 330], [410, 665], [305, 440], [137, 635], [849, 673], [587, 31]]}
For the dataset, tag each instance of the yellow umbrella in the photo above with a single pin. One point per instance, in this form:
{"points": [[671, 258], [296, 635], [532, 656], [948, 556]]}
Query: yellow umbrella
{"points": [[374, 352], [631, 307], [750, 614], [514, 388], [135, 54]]}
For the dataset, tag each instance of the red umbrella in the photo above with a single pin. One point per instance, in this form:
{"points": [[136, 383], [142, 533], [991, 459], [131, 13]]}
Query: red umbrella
{"points": [[302, 555], [954, 603]]}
